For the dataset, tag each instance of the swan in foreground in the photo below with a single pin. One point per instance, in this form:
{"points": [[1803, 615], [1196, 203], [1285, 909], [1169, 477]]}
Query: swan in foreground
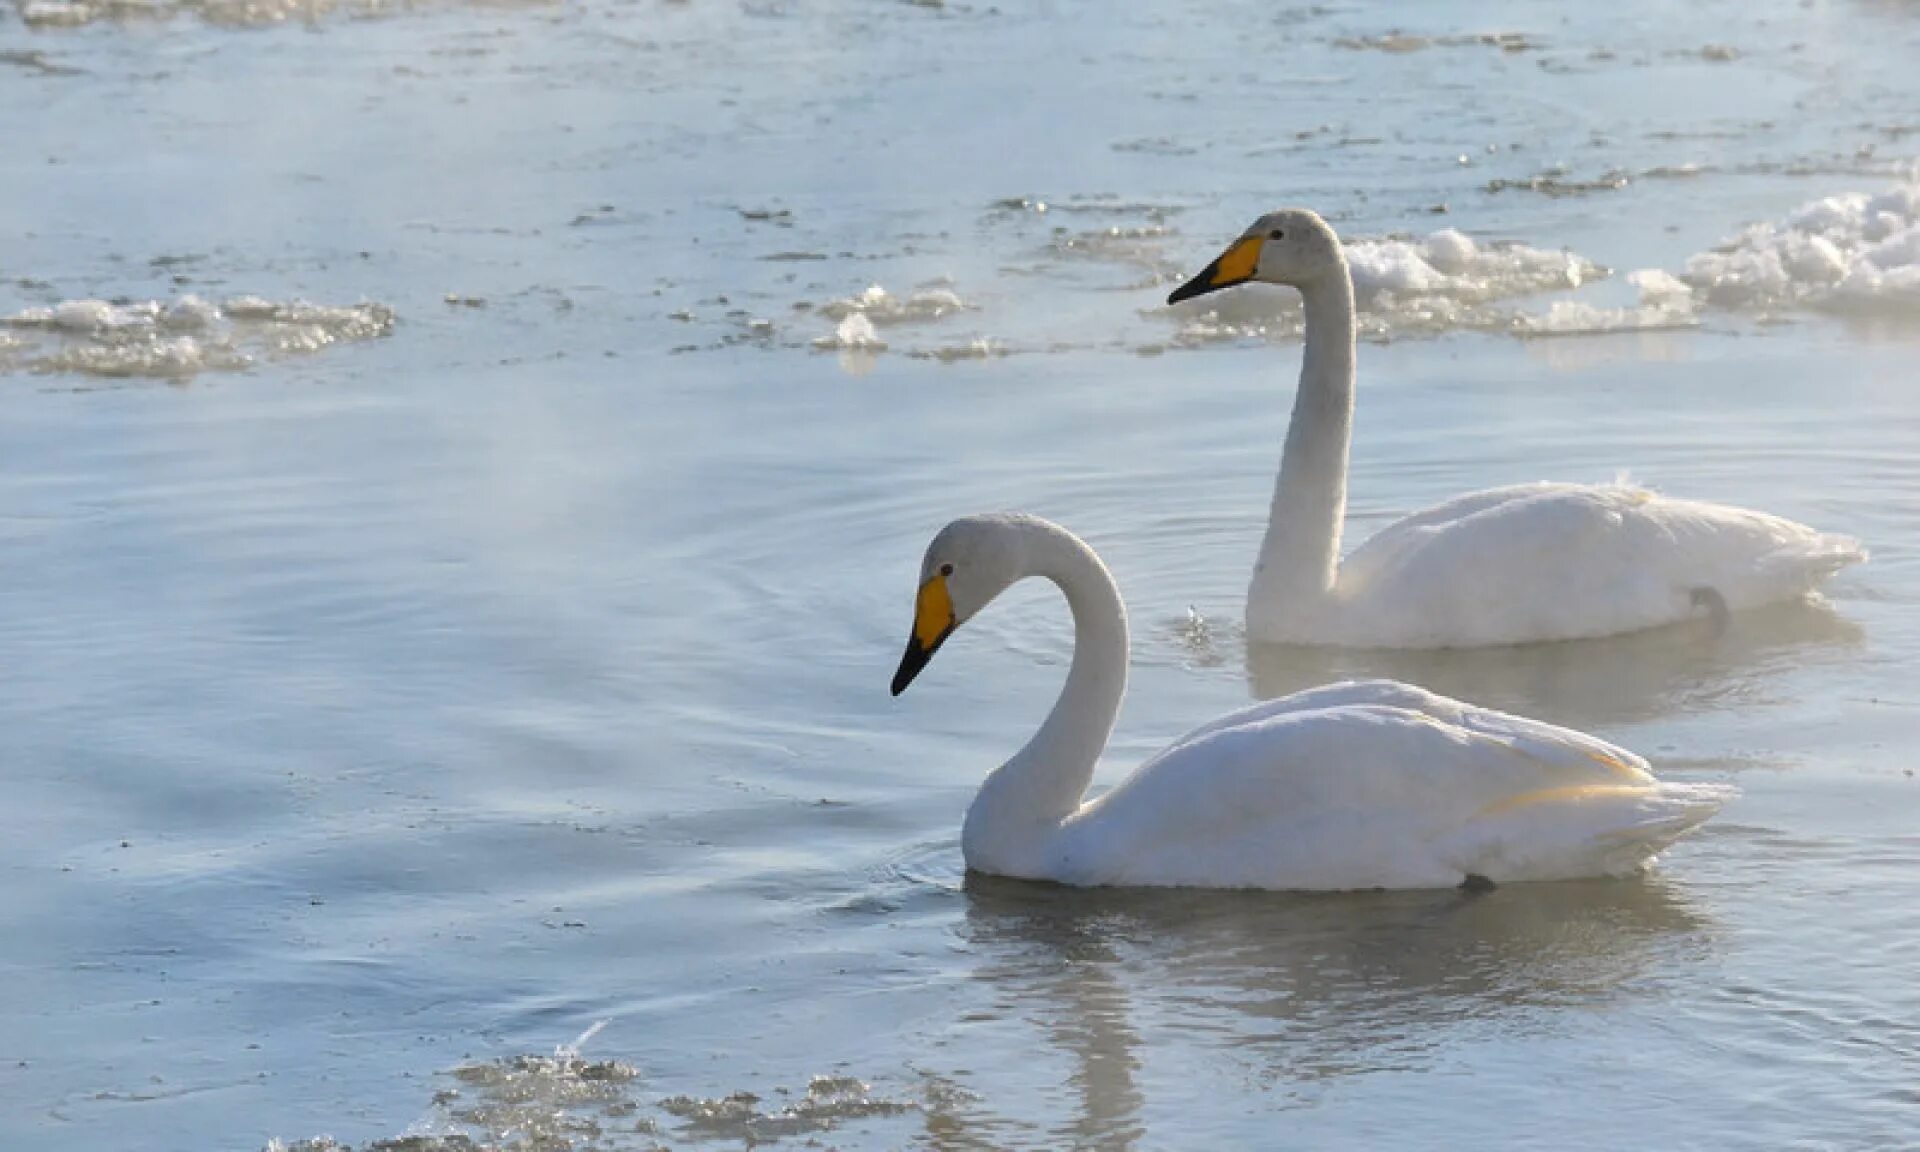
{"points": [[1370, 784], [1504, 566]]}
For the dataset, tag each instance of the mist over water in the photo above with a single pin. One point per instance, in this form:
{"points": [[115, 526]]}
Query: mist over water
{"points": [[465, 468]]}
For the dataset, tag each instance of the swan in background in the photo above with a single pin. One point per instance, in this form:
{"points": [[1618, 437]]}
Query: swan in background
{"points": [[1504, 566], [1368, 784]]}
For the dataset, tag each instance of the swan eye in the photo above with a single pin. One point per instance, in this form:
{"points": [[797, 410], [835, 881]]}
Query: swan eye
{"points": [[946, 569], [1277, 234]]}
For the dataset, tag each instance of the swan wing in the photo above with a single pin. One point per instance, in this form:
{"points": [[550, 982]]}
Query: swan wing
{"points": [[1560, 561], [1378, 784], [1390, 547], [1563, 748], [1389, 693]]}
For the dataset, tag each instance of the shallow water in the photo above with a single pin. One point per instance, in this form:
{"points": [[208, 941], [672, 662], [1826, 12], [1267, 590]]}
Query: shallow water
{"points": [[386, 712]]}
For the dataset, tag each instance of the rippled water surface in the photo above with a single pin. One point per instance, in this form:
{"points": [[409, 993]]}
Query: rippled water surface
{"points": [[465, 467]]}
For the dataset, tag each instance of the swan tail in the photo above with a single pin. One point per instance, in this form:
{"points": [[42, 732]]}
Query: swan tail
{"points": [[1800, 566], [1583, 831]]}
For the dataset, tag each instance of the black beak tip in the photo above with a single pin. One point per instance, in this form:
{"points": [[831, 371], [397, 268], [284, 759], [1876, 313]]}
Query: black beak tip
{"points": [[911, 663], [916, 658], [1198, 286]]}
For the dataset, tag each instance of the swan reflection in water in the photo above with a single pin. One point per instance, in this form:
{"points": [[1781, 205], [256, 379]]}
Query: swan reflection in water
{"points": [[1289, 990], [1699, 666]]}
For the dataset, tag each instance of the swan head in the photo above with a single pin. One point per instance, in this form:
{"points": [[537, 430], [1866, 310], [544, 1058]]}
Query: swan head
{"points": [[970, 562], [1293, 246]]}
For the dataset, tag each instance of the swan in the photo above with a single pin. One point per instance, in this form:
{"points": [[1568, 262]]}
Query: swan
{"points": [[1510, 565], [1369, 784]]}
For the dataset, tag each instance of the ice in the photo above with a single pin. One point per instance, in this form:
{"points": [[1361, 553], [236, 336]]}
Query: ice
{"points": [[224, 13], [191, 314], [1658, 285], [855, 332], [1856, 253], [861, 316], [1401, 43], [1402, 287], [1142, 248], [1665, 302], [1452, 265], [179, 338], [565, 1103], [978, 348], [878, 306], [829, 1100], [86, 316]]}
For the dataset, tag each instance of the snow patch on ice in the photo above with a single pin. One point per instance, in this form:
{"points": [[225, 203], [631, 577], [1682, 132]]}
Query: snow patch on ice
{"points": [[1856, 253]]}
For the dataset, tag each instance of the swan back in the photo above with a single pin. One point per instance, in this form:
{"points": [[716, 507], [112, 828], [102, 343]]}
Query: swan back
{"points": [[1379, 784], [1537, 562]]}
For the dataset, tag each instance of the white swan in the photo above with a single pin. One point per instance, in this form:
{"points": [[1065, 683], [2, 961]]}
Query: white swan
{"points": [[1359, 785], [1504, 566]]}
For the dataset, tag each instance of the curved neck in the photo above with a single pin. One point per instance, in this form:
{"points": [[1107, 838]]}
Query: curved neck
{"points": [[1302, 546], [1032, 793]]}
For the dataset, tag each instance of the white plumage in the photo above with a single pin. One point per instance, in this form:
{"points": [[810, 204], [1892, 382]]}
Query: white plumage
{"points": [[1378, 784], [1554, 561], [1505, 566], [1372, 784]]}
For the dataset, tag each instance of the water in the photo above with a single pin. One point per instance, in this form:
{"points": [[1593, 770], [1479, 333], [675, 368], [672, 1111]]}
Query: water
{"points": [[386, 711]]}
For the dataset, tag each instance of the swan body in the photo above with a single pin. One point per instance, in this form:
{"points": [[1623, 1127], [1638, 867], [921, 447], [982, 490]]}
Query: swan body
{"points": [[1554, 561], [1510, 565], [1371, 784]]}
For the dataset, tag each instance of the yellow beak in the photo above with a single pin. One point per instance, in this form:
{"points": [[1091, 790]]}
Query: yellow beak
{"points": [[1235, 266], [932, 623]]}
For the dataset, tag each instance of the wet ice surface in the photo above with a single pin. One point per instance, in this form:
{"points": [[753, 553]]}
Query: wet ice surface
{"points": [[179, 338], [53, 14], [565, 1101], [501, 647]]}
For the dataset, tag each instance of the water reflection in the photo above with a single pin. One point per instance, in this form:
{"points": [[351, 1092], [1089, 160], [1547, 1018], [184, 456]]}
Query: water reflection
{"points": [[1895, 325], [1571, 356], [1691, 667], [1300, 988]]}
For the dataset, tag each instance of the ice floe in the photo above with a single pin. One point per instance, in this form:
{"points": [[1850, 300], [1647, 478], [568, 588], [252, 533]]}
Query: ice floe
{"points": [[178, 338], [880, 307], [1444, 281], [978, 348], [1856, 253], [857, 338], [564, 1103], [1665, 302], [854, 332], [47, 14]]}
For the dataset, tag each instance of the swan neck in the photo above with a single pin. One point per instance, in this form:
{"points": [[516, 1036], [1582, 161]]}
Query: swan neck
{"points": [[1299, 556], [1029, 795]]}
